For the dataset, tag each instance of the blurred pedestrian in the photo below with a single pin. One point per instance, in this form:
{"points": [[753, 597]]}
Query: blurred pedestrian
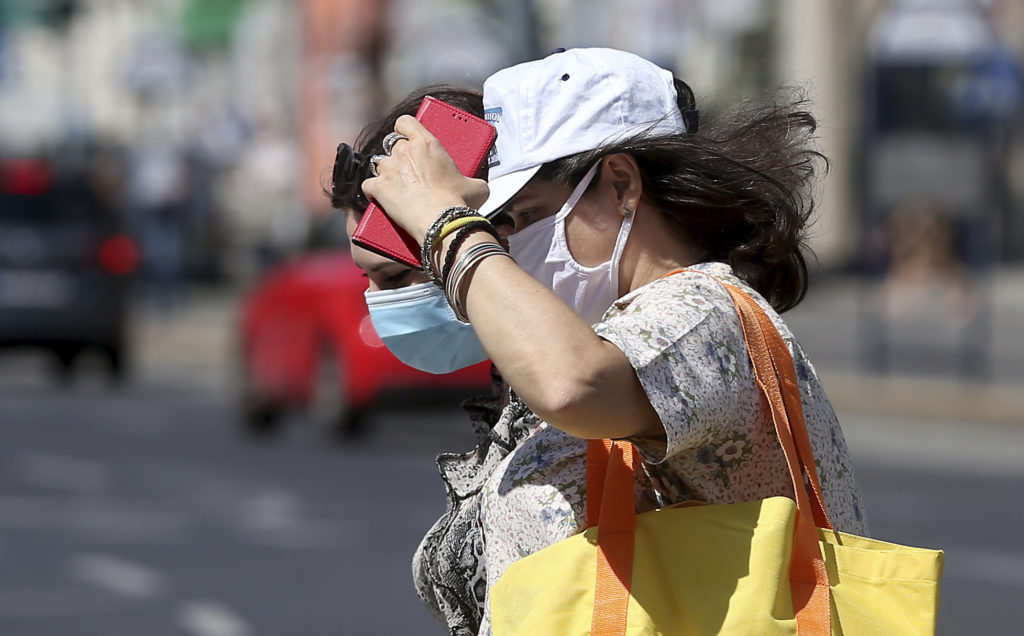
{"points": [[158, 187], [925, 261]]}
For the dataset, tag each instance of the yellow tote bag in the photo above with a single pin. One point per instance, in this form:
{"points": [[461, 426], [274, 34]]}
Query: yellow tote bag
{"points": [[769, 567]]}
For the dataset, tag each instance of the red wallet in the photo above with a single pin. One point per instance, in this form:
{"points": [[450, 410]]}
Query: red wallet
{"points": [[466, 137]]}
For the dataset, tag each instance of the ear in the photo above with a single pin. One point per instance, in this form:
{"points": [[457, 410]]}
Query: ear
{"points": [[621, 174]]}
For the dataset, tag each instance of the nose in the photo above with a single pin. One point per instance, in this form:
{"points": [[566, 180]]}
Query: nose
{"points": [[505, 226]]}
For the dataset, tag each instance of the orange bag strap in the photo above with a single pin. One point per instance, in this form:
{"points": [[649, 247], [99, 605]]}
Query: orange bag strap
{"points": [[598, 451], [785, 371], [807, 574], [610, 480], [611, 505]]}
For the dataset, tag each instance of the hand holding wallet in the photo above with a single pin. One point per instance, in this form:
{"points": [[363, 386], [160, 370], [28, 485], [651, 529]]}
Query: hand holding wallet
{"points": [[466, 137]]}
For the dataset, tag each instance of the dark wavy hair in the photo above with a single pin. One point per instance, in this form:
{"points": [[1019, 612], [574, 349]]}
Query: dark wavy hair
{"points": [[738, 189], [352, 166]]}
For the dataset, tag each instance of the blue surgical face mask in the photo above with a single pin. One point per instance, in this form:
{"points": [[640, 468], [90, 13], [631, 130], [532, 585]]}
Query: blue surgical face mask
{"points": [[417, 325]]}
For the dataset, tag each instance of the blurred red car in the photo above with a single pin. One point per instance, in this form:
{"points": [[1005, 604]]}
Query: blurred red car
{"points": [[307, 343]]}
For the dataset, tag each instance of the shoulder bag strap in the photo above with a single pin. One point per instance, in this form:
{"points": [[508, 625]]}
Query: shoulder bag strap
{"points": [[785, 371], [610, 480], [611, 505], [807, 574]]}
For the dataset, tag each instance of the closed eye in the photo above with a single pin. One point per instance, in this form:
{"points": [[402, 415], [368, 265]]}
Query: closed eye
{"points": [[389, 275], [521, 218], [396, 280]]}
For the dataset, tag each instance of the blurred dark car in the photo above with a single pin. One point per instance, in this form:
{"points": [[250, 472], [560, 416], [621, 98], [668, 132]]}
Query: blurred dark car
{"points": [[65, 267], [307, 343]]}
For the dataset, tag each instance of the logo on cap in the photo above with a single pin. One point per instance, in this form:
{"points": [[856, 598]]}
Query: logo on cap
{"points": [[493, 115]]}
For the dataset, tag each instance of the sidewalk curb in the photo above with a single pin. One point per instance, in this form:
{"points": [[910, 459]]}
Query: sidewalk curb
{"points": [[924, 398]]}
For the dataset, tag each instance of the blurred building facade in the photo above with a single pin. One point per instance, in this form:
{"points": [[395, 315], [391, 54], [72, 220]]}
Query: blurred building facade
{"points": [[241, 102]]}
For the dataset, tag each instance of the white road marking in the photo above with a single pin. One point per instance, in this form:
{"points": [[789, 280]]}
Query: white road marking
{"points": [[111, 520], [118, 576], [304, 535], [47, 603], [144, 429], [983, 566], [270, 508], [269, 519], [27, 512], [116, 520], [63, 473], [207, 618], [272, 518]]}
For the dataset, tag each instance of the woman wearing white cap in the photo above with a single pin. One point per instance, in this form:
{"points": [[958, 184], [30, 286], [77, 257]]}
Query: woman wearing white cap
{"points": [[612, 189]]}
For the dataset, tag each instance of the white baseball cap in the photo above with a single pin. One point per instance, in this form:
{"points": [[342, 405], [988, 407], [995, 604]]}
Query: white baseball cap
{"points": [[570, 102]]}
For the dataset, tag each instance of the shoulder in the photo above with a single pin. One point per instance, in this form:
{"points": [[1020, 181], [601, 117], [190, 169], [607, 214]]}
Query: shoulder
{"points": [[676, 308], [698, 289]]}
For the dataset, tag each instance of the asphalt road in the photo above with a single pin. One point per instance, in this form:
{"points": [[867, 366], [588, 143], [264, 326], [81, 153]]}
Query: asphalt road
{"points": [[141, 511]]}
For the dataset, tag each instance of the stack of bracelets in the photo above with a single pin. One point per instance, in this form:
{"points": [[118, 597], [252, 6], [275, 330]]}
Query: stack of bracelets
{"points": [[462, 221]]}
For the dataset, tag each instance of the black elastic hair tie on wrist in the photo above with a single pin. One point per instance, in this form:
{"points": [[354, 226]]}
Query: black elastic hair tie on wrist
{"points": [[460, 236]]}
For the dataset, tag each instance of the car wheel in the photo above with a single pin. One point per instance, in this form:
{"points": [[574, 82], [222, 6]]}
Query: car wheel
{"points": [[330, 409], [116, 362], [261, 420], [65, 357], [258, 418]]}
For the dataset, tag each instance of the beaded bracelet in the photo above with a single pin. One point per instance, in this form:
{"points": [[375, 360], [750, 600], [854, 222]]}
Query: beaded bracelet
{"points": [[430, 238], [460, 237], [465, 264]]}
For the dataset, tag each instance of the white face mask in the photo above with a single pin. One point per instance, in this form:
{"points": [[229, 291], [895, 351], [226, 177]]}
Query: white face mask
{"points": [[542, 250]]}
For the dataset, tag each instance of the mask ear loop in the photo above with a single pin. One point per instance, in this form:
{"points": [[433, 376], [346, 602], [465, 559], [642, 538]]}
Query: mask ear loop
{"points": [[620, 240], [577, 193]]}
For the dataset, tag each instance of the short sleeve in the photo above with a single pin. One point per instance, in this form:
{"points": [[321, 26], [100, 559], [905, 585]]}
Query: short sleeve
{"points": [[682, 336]]}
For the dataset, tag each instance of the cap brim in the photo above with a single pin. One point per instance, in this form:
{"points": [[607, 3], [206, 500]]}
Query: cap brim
{"points": [[505, 187]]}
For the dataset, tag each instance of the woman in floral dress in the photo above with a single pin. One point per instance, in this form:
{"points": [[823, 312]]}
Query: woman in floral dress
{"points": [[610, 320]]}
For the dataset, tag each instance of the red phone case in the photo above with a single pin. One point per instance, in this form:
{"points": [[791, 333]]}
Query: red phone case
{"points": [[466, 137]]}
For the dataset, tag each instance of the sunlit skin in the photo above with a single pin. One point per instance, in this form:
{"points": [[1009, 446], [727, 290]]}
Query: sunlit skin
{"points": [[551, 357], [384, 273], [381, 272]]}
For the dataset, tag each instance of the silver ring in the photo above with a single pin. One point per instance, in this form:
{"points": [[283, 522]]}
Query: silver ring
{"points": [[374, 160], [390, 141]]}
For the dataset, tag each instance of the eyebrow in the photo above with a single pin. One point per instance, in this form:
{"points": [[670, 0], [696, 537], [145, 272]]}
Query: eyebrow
{"points": [[377, 267], [522, 201]]}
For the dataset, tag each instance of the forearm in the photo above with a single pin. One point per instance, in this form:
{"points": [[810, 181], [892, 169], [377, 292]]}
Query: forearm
{"points": [[551, 357], [534, 338]]}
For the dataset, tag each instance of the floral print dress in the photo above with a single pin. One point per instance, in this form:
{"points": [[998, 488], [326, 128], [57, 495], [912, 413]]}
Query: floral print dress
{"points": [[683, 337]]}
